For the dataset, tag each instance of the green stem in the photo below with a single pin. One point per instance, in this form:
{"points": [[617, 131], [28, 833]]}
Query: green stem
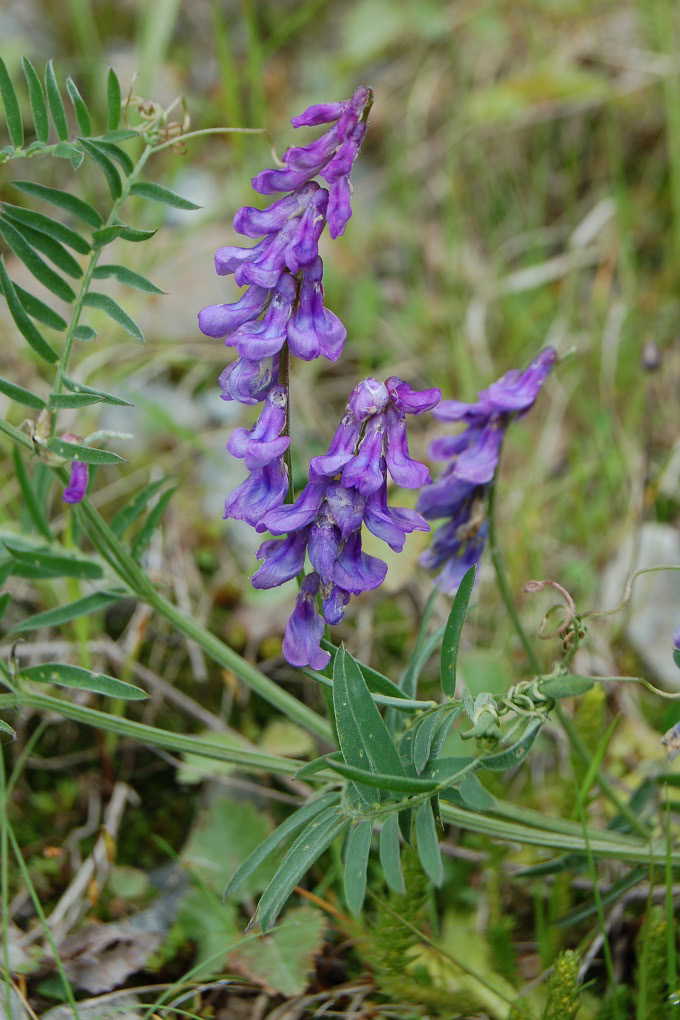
{"points": [[572, 735], [211, 131]]}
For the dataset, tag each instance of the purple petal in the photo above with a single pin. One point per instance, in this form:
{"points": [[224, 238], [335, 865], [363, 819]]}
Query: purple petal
{"points": [[262, 339], [366, 471], [304, 247], [266, 267], [446, 447], [77, 483], [311, 158], [333, 602], [219, 320], [312, 329], [477, 464], [299, 514], [256, 222], [391, 524], [263, 490], [339, 208], [248, 382], [409, 473], [369, 397], [283, 558], [320, 113], [355, 571], [263, 442], [442, 498], [408, 400], [456, 410], [323, 546], [345, 506], [517, 391], [341, 450], [304, 630], [230, 257]]}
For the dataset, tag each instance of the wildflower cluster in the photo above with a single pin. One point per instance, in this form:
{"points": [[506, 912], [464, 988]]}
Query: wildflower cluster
{"points": [[460, 493], [282, 309], [347, 487]]}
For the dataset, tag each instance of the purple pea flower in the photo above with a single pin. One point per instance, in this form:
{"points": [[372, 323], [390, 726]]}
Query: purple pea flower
{"points": [[77, 485], [460, 493]]}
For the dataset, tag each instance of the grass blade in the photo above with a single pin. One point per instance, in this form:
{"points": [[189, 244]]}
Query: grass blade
{"points": [[37, 100], [63, 200], [356, 865], [106, 304], [30, 333], [55, 102], [79, 107], [112, 100], [145, 533], [10, 102]]}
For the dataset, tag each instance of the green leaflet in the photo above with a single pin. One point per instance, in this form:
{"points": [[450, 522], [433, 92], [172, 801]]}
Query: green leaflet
{"points": [[37, 100], [453, 630], [444, 728], [128, 277], [106, 304], [105, 165], [79, 108], [84, 333], [427, 843], [30, 497], [86, 454], [6, 728], [39, 310], [63, 675], [67, 400], [115, 153], [447, 770], [46, 225], [308, 846], [356, 864], [291, 825], [11, 105], [42, 272], [112, 100], [21, 395], [382, 780], [62, 200], [108, 234], [157, 193], [390, 857], [55, 102], [71, 611], [44, 561], [376, 682], [422, 740], [474, 795], [53, 249], [30, 333], [502, 760]]}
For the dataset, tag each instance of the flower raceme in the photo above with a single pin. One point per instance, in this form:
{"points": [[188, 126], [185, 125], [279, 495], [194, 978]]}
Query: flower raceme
{"points": [[347, 488], [460, 493]]}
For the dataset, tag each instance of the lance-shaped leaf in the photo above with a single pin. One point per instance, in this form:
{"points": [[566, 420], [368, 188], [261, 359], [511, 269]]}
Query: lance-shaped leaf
{"points": [[37, 100], [106, 304], [106, 166], [85, 454], [292, 824], [443, 730], [62, 200], [306, 849], [85, 334], [71, 611], [106, 398], [42, 272], [515, 755], [474, 795], [375, 681], [356, 863], [46, 225], [54, 250], [27, 329], [115, 153], [30, 498], [79, 107], [121, 135], [157, 193], [365, 741], [112, 100], [567, 686], [145, 533], [382, 780], [128, 277], [108, 234], [39, 310], [11, 105], [63, 675], [390, 857], [45, 561], [55, 102], [453, 630], [427, 844], [450, 770], [21, 395], [422, 740], [63, 401]]}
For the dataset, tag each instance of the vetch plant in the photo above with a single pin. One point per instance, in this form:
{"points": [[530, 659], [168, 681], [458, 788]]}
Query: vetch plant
{"points": [[383, 765]]}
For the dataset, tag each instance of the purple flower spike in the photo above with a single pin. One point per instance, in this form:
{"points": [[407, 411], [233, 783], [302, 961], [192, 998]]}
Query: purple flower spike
{"points": [[284, 559], [219, 320], [266, 337], [77, 484], [248, 382], [312, 329], [304, 630], [261, 492], [263, 443], [409, 473]]}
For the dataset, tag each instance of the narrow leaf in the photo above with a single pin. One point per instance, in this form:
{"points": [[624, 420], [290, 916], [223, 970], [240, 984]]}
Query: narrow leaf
{"points": [[113, 100], [37, 99], [106, 166], [106, 398], [145, 533], [427, 844], [306, 849], [11, 104], [291, 825], [448, 770], [157, 193], [121, 135], [474, 794], [82, 679], [34, 263], [356, 864], [85, 334], [310, 768], [85, 454], [42, 561], [71, 611], [409, 678], [30, 500], [443, 730], [453, 630], [390, 857], [21, 395], [39, 310], [381, 780], [55, 102], [22, 321], [54, 251], [364, 738], [127, 276], [514, 755], [79, 107], [115, 152], [106, 304], [6, 728], [69, 400], [47, 225], [376, 682], [422, 741], [62, 200], [108, 234]]}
